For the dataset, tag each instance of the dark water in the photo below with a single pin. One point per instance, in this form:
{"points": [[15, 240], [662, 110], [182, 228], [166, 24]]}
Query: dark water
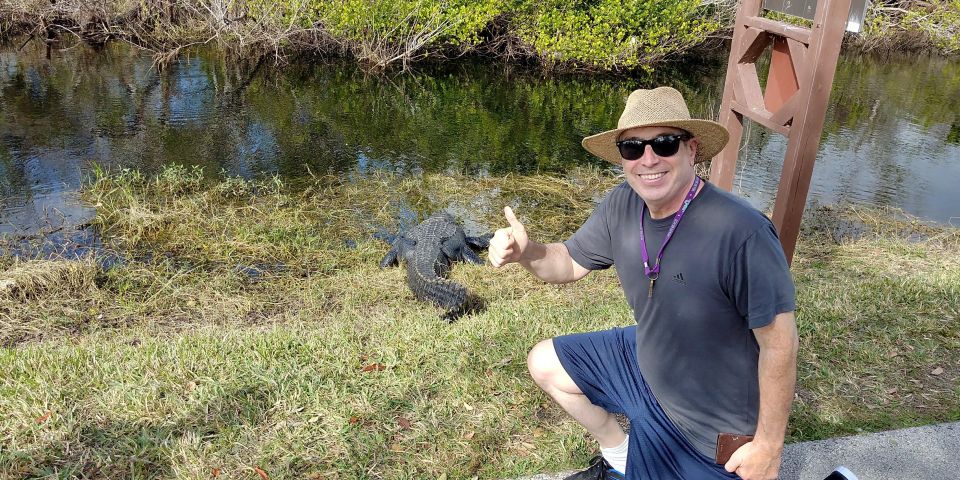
{"points": [[892, 133]]}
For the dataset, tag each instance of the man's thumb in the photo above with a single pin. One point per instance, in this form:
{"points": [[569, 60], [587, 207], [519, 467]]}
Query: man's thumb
{"points": [[511, 218]]}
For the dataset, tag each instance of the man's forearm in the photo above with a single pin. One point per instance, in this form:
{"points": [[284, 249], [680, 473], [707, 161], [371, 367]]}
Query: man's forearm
{"points": [[550, 262], [777, 376]]}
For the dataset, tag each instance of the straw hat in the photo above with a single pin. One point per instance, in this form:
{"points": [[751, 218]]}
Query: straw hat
{"points": [[660, 107]]}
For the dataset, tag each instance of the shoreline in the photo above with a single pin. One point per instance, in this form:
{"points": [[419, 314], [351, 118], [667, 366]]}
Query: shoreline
{"points": [[401, 36]]}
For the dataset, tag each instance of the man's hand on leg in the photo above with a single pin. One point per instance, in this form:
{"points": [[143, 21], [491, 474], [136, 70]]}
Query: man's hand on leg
{"points": [[755, 461]]}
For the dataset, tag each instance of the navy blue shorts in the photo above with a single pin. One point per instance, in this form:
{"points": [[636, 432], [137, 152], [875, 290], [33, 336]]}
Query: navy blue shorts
{"points": [[604, 366]]}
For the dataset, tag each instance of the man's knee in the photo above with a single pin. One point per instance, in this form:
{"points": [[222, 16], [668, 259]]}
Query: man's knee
{"points": [[545, 366], [542, 362]]}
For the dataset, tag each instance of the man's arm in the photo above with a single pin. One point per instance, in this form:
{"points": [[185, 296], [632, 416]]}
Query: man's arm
{"points": [[551, 262], [777, 370]]}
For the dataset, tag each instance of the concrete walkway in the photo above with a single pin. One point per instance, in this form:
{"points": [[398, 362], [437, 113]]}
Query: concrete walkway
{"points": [[920, 453]]}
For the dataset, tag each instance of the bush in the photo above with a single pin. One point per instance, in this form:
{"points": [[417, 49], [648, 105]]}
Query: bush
{"points": [[610, 34], [928, 26], [582, 34], [595, 34], [381, 33]]}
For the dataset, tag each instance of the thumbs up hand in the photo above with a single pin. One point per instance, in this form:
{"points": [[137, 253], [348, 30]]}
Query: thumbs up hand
{"points": [[508, 244]]}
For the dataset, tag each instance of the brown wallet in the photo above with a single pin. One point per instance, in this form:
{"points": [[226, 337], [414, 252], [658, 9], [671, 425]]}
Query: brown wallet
{"points": [[727, 443]]}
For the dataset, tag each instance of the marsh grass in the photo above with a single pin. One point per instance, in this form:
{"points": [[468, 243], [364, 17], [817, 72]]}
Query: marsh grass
{"points": [[41, 277], [248, 327]]}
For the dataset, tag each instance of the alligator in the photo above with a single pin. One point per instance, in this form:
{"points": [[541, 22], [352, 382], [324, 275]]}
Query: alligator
{"points": [[429, 249]]}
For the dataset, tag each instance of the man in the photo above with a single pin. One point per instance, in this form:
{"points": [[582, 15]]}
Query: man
{"points": [[714, 348]]}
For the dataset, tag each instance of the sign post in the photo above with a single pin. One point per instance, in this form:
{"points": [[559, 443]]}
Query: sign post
{"points": [[802, 65]]}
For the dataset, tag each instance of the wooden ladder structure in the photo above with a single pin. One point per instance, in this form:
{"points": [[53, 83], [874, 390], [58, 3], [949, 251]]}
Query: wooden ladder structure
{"points": [[794, 103]]}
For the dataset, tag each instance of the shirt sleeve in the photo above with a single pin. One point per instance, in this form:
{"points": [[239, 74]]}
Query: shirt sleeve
{"points": [[760, 280], [591, 246]]}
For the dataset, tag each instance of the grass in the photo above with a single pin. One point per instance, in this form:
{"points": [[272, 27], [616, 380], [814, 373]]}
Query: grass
{"points": [[247, 328], [880, 324]]}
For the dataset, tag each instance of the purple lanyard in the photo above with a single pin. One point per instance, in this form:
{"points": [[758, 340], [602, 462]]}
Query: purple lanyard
{"points": [[654, 273]]}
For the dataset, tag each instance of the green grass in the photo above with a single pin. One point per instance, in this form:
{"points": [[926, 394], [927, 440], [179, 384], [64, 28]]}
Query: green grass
{"points": [[879, 316], [249, 327]]}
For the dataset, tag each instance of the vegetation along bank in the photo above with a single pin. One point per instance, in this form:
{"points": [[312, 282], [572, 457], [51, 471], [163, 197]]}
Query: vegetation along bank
{"points": [[596, 35]]}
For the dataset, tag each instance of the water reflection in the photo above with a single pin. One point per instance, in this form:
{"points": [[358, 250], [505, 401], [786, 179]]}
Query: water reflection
{"points": [[888, 140], [891, 137]]}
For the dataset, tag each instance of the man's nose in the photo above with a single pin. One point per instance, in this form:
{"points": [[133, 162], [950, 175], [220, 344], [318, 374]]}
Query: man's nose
{"points": [[647, 159]]}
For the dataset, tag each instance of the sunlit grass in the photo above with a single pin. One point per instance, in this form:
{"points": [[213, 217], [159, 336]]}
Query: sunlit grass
{"points": [[246, 325]]}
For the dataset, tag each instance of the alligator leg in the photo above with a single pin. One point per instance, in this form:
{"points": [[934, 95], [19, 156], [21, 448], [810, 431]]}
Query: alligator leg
{"points": [[399, 248], [390, 259], [457, 249]]}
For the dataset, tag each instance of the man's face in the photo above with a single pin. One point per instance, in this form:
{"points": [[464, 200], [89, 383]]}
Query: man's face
{"points": [[662, 182]]}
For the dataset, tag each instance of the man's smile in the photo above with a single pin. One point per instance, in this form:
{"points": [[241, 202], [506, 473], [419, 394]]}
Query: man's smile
{"points": [[651, 176]]}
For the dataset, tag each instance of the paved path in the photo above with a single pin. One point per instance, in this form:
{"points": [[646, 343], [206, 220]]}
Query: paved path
{"points": [[927, 453], [920, 453]]}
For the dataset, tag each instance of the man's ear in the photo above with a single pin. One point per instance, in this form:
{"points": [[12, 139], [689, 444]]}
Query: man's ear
{"points": [[694, 145]]}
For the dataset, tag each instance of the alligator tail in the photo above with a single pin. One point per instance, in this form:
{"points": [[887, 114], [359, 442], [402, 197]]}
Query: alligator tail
{"points": [[428, 286]]}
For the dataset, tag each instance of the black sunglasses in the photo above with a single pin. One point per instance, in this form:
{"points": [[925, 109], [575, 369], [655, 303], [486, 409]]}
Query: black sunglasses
{"points": [[662, 145]]}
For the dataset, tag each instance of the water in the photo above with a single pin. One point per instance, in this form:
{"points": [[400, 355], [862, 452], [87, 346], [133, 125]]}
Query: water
{"points": [[891, 136]]}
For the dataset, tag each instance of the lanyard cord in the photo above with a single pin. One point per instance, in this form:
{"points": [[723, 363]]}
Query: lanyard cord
{"points": [[655, 270]]}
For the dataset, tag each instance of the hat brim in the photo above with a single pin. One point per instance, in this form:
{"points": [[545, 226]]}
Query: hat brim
{"points": [[712, 136]]}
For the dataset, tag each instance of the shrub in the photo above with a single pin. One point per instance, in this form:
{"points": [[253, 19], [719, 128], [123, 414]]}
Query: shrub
{"points": [[583, 34], [381, 33], [928, 26], [609, 34]]}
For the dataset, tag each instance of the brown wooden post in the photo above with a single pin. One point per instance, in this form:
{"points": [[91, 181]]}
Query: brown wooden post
{"points": [[724, 165], [816, 84], [803, 62]]}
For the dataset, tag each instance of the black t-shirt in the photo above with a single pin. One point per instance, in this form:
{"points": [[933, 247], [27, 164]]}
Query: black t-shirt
{"points": [[722, 274]]}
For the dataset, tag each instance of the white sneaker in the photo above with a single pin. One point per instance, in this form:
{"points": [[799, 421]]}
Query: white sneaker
{"points": [[841, 473]]}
